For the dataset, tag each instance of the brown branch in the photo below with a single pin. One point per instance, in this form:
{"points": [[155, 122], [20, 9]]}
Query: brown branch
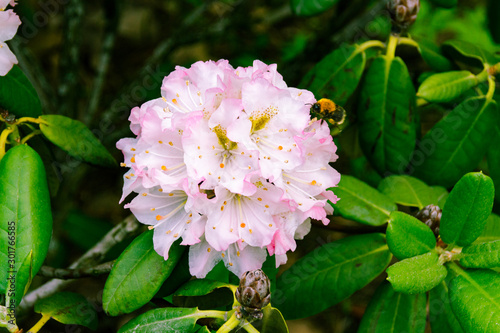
{"points": [[66, 273], [128, 227]]}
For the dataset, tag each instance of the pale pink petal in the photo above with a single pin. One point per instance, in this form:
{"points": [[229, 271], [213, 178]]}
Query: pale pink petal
{"points": [[9, 22], [202, 258], [7, 59]]}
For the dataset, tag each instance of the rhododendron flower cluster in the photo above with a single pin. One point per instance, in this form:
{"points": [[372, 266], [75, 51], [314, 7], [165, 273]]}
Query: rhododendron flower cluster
{"points": [[9, 22], [229, 161]]}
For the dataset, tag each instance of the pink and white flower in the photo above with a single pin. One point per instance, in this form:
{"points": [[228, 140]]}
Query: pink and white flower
{"points": [[9, 22], [229, 161]]}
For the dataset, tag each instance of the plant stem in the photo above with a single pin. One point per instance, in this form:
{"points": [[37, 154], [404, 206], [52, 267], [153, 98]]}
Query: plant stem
{"points": [[408, 41], [249, 327], [45, 318], [31, 120], [3, 140], [491, 89], [215, 314], [229, 325], [63, 273], [29, 136], [371, 43], [391, 46]]}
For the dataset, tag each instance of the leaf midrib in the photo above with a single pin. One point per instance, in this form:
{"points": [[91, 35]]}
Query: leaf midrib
{"points": [[366, 201]]}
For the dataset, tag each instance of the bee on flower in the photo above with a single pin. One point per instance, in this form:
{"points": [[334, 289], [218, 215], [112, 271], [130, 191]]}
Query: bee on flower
{"points": [[229, 161]]}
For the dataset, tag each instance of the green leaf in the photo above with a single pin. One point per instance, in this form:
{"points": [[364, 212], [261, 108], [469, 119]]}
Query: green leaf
{"points": [[493, 158], [68, 308], [337, 75], [433, 57], [445, 3], [362, 203], [468, 53], [387, 119], [163, 320], [307, 7], [25, 215], [272, 321], [76, 139], [416, 275], [441, 195], [393, 312], [408, 191], [137, 275], [177, 278], [18, 96], [467, 208], [330, 274], [456, 144], [204, 294], [485, 255], [445, 87], [408, 237], [441, 315], [491, 230], [475, 300]]}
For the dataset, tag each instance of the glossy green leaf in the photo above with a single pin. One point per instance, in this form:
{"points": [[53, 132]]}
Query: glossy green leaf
{"points": [[387, 119], [445, 3], [362, 203], [337, 75], [468, 53], [272, 321], [177, 278], [485, 255], [393, 312], [491, 230], [307, 7], [493, 158], [456, 144], [493, 23], [416, 275], [445, 87], [433, 57], [408, 237], [163, 320], [441, 195], [467, 209], [475, 300], [76, 139], [408, 191], [25, 215], [18, 96], [318, 280], [204, 294], [441, 316], [68, 308], [137, 275]]}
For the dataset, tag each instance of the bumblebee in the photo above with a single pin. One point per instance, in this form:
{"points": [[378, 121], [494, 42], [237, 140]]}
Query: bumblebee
{"points": [[327, 110]]}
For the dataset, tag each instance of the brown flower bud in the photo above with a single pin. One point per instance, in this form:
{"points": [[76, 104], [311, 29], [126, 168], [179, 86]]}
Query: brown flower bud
{"points": [[431, 216], [253, 293], [403, 13]]}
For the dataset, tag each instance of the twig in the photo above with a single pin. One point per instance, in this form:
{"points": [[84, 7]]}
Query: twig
{"points": [[102, 68], [63, 273], [127, 228], [70, 58]]}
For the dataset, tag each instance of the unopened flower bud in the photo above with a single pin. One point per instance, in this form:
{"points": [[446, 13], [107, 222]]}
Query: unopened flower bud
{"points": [[253, 293], [403, 13], [431, 216]]}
